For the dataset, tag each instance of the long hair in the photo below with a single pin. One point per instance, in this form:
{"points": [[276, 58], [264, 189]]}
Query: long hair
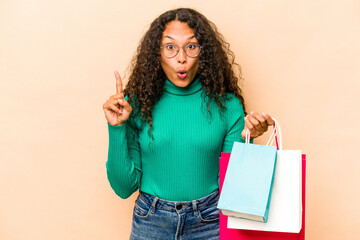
{"points": [[216, 64]]}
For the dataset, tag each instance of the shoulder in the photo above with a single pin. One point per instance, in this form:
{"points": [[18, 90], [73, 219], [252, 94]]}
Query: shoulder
{"points": [[133, 100], [233, 104], [234, 112], [134, 118]]}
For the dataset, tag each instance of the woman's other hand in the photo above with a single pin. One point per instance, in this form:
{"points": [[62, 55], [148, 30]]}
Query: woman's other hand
{"points": [[257, 124], [117, 110]]}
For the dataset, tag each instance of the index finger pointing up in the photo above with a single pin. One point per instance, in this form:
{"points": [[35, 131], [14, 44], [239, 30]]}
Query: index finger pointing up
{"points": [[118, 83]]}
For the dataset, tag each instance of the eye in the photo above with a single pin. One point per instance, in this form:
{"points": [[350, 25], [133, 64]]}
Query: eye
{"points": [[170, 47], [192, 46]]}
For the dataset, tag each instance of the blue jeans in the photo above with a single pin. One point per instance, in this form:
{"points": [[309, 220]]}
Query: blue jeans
{"points": [[158, 219]]}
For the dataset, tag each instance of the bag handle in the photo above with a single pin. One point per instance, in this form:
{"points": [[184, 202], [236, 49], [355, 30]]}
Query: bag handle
{"points": [[276, 134]]}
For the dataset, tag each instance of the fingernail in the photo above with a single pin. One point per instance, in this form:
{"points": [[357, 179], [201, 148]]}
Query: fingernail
{"points": [[120, 101], [251, 112], [120, 111], [264, 114]]}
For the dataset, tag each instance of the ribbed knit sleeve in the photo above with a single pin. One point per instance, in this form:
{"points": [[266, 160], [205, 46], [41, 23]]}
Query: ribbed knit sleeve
{"points": [[124, 160], [235, 122]]}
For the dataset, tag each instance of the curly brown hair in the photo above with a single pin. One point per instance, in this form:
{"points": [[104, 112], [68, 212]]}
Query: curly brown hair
{"points": [[216, 64]]}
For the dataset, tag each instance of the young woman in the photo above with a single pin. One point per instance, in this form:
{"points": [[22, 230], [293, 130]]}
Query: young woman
{"points": [[181, 108]]}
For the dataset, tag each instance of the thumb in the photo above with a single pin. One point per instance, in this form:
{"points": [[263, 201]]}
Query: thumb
{"points": [[243, 133], [125, 104]]}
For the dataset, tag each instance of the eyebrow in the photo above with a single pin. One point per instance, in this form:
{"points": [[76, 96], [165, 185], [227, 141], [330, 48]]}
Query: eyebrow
{"points": [[173, 38]]}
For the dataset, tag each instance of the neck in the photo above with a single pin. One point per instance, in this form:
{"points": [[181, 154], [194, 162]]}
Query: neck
{"points": [[193, 87]]}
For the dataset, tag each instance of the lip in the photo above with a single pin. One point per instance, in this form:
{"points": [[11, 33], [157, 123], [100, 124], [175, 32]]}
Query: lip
{"points": [[182, 74]]}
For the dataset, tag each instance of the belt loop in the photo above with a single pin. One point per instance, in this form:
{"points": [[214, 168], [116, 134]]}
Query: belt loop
{"points": [[153, 205], [195, 208]]}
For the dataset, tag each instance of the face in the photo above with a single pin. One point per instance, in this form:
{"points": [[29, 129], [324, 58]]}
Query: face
{"points": [[181, 69]]}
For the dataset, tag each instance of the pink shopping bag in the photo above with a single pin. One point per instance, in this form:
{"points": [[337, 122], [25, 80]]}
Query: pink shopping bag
{"points": [[237, 234]]}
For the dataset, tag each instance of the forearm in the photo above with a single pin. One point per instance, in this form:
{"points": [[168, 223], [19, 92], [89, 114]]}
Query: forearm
{"points": [[123, 168]]}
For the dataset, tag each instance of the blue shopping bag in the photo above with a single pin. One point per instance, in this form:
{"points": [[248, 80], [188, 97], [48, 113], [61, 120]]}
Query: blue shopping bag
{"points": [[246, 191]]}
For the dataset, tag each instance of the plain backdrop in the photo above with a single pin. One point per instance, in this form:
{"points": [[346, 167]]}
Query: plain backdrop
{"points": [[300, 62]]}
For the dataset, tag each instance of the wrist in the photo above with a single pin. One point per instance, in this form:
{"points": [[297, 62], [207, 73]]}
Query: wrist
{"points": [[117, 125]]}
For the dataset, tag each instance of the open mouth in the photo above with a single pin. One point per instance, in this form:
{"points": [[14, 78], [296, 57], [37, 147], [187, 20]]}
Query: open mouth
{"points": [[181, 74]]}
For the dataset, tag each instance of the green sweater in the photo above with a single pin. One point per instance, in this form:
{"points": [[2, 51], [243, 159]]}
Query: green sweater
{"points": [[182, 162]]}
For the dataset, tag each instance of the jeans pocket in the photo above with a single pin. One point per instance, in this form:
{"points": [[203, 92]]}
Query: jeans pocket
{"points": [[209, 213], [141, 209]]}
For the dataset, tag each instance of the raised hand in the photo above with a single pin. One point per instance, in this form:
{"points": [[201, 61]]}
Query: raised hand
{"points": [[117, 110], [257, 124]]}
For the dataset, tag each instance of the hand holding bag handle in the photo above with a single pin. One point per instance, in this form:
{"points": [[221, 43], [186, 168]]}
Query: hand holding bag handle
{"points": [[276, 134]]}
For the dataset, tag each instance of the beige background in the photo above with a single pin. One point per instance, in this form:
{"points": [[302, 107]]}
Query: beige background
{"points": [[300, 61]]}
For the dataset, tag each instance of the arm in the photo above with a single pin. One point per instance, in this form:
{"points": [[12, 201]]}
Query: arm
{"points": [[235, 121], [233, 134], [124, 160]]}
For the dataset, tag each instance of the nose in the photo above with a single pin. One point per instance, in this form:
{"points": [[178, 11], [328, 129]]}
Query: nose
{"points": [[181, 57]]}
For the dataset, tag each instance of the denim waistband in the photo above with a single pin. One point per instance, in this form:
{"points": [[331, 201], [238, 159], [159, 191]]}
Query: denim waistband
{"points": [[183, 206]]}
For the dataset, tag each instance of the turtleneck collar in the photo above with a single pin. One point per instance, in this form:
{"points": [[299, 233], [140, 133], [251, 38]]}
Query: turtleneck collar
{"points": [[193, 87]]}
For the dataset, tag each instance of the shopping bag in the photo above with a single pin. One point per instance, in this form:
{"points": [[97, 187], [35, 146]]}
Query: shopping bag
{"points": [[285, 214], [238, 234], [247, 188], [229, 233]]}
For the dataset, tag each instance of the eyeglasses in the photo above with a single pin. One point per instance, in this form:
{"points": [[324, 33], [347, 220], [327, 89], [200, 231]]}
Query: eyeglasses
{"points": [[171, 50]]}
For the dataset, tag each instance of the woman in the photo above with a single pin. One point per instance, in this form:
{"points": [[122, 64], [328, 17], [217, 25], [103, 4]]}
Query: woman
{"points": [[181, 108]]}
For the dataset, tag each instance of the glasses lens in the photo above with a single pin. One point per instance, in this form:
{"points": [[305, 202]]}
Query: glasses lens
{"points": [[192, 50], [170, 50]]}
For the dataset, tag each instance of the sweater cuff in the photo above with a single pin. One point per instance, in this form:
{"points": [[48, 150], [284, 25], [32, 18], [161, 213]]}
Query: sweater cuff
{"points": [[116, 127], [117, 131]]}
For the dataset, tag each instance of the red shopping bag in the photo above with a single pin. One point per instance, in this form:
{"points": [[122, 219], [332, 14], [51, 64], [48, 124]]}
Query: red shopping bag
{"points": [[237, 234]]}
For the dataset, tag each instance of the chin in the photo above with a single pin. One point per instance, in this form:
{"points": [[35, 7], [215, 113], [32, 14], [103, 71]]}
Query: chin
{"points": [[181, 82]]}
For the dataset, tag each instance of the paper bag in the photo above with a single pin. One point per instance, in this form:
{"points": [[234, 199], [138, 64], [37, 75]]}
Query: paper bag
{"points": [[247, 188]]}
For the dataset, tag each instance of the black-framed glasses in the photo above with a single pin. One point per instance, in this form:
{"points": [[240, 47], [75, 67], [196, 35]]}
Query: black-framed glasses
{"points": [[171, 50]]}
